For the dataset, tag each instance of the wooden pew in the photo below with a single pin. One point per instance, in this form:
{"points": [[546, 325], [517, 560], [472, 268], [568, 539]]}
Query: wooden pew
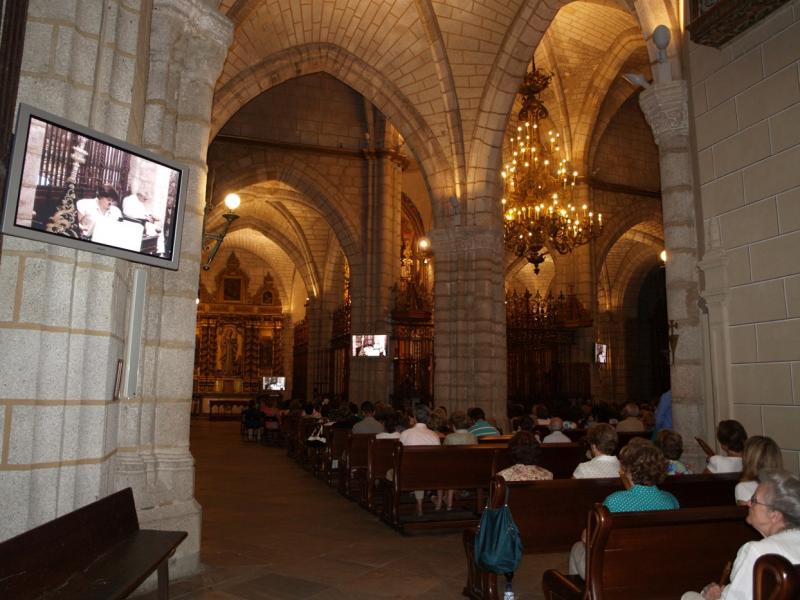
{"points": [[97, 551], [331, 455], [552, 514], [655, 555], [560, 459], [379, 460], [437, 468], [775, 578], [353, 473]]}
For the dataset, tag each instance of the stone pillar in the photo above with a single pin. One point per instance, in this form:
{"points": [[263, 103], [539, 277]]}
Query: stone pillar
{"points": [[62, 312], [470, 332], [371, 379], [665, 105], [188, 44]]}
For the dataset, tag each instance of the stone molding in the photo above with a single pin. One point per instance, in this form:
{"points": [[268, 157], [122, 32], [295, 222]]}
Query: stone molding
{"points": [[198, 19], [666, 107]]}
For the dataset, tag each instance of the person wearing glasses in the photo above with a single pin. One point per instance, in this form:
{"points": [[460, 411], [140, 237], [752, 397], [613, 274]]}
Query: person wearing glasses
{"points": [[774, 511]]}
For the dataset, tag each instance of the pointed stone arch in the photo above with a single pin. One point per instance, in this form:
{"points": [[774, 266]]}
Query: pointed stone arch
{"points": [[364, 79]]}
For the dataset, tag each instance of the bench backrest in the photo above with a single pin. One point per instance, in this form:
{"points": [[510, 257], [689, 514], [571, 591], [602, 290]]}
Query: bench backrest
{"points": [[775, 578], [379, 461], [559, 459], [41, 559], [444, 467], [551, 514], [357, 448], [661, 554]]}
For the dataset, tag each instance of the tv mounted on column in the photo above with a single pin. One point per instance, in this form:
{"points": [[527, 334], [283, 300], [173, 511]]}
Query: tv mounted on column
{"points": [[75, 187]]}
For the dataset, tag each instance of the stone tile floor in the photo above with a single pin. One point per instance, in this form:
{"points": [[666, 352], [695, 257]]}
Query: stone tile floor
{"points": [[273, 531]]}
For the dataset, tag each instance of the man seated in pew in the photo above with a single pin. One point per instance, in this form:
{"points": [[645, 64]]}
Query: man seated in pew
{"points": [[731, 436], [602, 439], [630, 419], [671, 444], [525, 452], [555, 436], [760, 452], [394, 423], [479, 426], [368, 422], [419, 435], [643, 467], [773, 510]]}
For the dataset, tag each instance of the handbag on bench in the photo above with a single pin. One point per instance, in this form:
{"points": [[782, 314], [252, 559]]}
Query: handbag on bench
{"points": [[498, 546]]}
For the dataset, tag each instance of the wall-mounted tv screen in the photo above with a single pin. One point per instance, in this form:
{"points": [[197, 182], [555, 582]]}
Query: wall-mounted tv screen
{"points": [[75, 187], [601, 353], [274, 384], [369, 345]]}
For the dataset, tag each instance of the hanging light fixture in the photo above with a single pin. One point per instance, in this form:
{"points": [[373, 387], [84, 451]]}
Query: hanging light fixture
{"points": [[232, 202], [538, 185]]}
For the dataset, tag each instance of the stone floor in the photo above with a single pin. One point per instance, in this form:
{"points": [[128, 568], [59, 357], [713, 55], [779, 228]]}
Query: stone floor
{"points": [[271, 530]]}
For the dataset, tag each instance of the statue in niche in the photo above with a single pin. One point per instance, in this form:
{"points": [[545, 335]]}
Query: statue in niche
{"points": [[229, 351], [406, 261]]}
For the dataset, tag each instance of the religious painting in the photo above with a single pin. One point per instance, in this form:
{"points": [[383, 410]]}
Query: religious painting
{"points": [[232, 289], [229, 351], [267, 297]]}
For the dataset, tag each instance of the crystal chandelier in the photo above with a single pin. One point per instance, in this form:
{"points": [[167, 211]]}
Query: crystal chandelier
{"points": [[538, 184]]}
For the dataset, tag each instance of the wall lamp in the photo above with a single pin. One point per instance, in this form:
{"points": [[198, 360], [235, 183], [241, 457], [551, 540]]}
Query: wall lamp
{"points": [[232, 202]]}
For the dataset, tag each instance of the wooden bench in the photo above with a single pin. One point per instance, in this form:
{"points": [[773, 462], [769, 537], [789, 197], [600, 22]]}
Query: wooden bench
{"points": [[380, 458], [552, 514], [353, 472], [331, 456], [775, 578], [93, 553], [560, 459], [465, 468], [655, 555]]}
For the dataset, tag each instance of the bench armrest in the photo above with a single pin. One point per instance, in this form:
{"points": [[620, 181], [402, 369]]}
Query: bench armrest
{"points": [[557, 586]]}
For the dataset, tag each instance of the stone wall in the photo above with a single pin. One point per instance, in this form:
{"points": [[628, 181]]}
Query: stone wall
{"points": [[746, 118]]}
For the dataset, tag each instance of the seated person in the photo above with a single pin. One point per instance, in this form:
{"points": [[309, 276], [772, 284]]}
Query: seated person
{"points": [[253, 420], [525, 452], [438, 424], [555, 436], [541, 414], [347, 417], [419, 435], [524, 423], [671, 444], [731, 437], [368, 423], [773, 510], [103, 208], [602, 439], [760, 452], [393, 424], [479, 427], [643, 467], [630, 419], [271, 413], [460, 436]]}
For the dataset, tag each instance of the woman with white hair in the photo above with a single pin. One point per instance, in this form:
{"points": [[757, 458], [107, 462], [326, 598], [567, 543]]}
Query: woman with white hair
{"points": [[773, 510]]}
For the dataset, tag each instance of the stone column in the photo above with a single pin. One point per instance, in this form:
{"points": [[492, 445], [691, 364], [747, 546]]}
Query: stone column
{"points": [[188, 44], [62, 312], [370, 379], [665, 105], [470, 332]]}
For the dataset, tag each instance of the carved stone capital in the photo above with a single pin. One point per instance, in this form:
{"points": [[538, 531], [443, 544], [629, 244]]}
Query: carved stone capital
{"points": [[666, 108]]}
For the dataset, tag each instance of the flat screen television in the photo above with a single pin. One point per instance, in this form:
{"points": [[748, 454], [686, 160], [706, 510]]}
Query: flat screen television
{"points": [[75, 187], [369, 345], [274, 384], [601, 353]]}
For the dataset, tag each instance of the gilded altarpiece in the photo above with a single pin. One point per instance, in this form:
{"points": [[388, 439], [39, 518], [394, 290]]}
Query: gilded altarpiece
{"points": [[238, 333]]}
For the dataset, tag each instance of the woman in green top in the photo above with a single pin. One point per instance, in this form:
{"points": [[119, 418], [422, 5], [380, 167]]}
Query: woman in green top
{"points": [[642, 468]]}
